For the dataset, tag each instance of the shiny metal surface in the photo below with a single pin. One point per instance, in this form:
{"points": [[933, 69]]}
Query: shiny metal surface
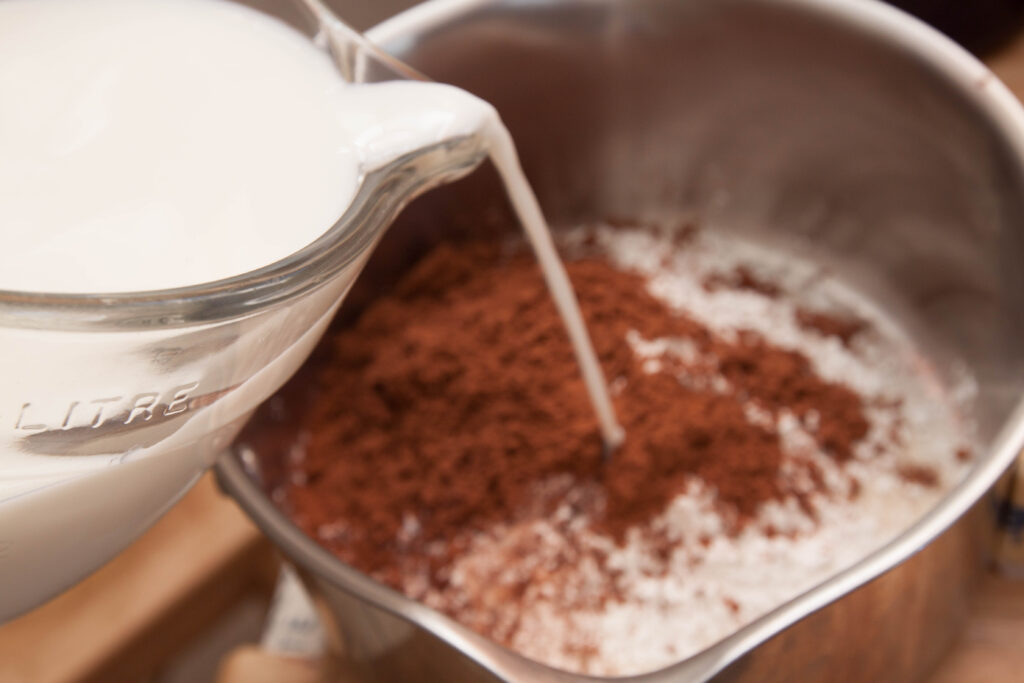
{"points": [[839, 129]]}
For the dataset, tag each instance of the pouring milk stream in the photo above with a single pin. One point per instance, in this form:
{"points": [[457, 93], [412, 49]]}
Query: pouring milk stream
{"points": [[148, 145]]}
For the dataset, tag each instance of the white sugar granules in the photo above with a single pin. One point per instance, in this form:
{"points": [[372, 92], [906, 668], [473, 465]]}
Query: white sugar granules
{"points": [[561, 593]]}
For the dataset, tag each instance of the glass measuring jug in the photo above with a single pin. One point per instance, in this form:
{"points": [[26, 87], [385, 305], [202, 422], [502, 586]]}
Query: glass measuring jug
{"points": [[113, 404]]}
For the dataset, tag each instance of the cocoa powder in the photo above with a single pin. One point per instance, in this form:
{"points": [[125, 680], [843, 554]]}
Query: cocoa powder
{"points": [[921, 475], [453, 400]]}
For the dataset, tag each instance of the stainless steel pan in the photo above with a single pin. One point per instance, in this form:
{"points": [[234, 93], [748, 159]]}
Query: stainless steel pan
{"points": [[841, 129]]}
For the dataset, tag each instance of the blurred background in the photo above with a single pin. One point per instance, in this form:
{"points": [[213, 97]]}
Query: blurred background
{"points": [[979, 25], [362, 14]]}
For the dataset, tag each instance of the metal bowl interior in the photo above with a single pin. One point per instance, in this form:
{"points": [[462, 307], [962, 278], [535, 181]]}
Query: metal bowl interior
{"points": [[842, 131]]}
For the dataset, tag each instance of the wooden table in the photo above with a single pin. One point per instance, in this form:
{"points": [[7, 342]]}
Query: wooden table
{"points": [[124, 621]]}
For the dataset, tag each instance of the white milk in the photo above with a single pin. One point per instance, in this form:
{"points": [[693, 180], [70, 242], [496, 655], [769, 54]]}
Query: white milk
{"points": [[148, 144], [154, 144], [503, 154]]}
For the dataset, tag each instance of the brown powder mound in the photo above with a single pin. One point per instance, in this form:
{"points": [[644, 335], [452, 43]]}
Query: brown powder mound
{"points": [[780, 379], [681, 433], [447, 404]]}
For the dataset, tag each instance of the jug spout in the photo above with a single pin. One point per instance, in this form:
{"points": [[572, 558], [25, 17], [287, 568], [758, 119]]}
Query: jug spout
{"points": [[440, 135], [394, 122]]}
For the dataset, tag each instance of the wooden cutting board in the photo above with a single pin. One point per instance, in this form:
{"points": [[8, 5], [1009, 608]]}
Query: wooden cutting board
{"points": [[125, 620]]}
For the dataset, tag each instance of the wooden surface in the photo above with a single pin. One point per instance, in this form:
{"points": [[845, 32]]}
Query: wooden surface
{"points": [[991, 649], [252, 665], [125, 620], [1008, 65]]}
